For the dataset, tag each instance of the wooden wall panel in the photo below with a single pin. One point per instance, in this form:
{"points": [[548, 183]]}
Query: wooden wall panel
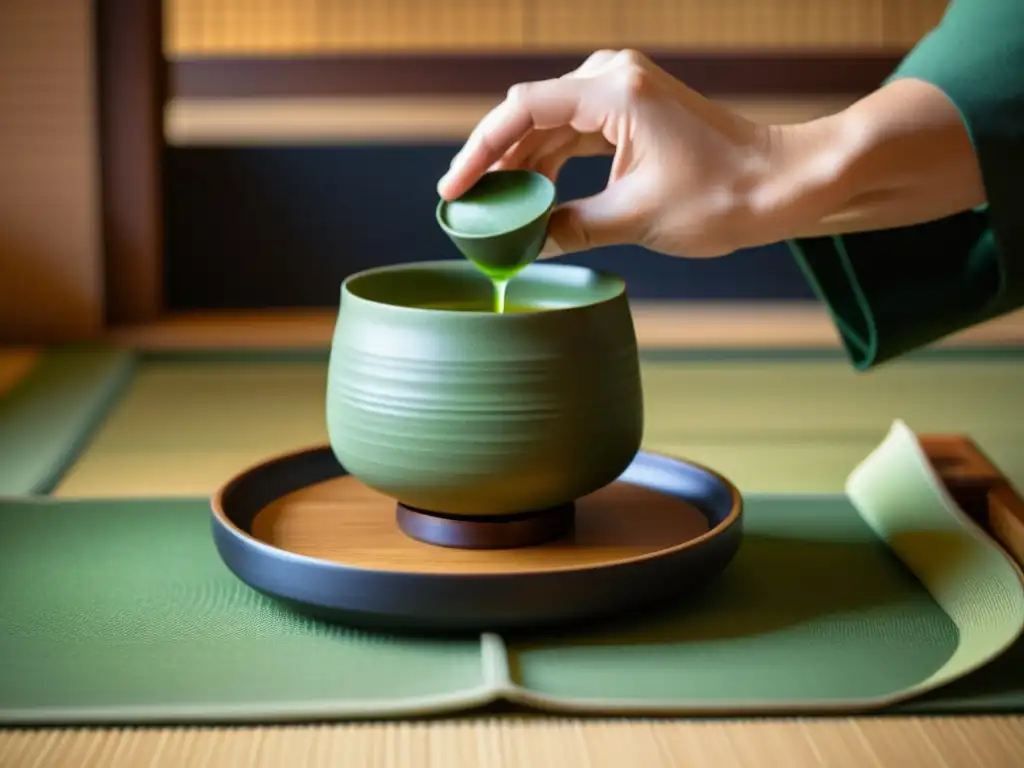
{"points": [[906, 22], [753, 23], [275, 27], [51, 272], [559, 25], [416, 25], [225, 26]]}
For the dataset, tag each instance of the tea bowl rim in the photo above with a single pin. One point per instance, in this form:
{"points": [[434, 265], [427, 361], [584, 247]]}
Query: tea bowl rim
{"points": [[464, 266]]}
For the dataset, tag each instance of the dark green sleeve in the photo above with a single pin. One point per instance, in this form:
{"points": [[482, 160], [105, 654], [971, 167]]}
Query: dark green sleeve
{"points": [[894, 291]]}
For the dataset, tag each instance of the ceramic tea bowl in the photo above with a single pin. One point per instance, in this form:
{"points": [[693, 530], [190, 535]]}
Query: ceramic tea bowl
{"points": [[447, 407], [501, 223]]}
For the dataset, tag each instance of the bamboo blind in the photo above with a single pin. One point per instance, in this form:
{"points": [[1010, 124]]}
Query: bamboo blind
{"points": [[277, 27]]}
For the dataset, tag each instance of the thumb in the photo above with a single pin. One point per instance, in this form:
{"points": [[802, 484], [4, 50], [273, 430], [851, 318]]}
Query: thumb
{"points": [[608, 218]]}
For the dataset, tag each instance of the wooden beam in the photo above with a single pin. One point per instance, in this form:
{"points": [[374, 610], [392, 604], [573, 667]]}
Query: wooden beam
{"points": [[713, 73], [131, 87], [288, 121], [659, 325]]}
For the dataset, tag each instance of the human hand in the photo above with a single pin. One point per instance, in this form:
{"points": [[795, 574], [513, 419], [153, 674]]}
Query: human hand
{"points": [[685, 170]]}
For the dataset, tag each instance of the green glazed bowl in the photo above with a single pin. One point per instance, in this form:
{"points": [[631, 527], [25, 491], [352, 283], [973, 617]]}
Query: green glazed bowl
{"points": [[449, 408], [502, 222]]}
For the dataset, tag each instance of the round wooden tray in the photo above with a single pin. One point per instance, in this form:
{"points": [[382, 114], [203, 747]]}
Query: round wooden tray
{"points": [[298, 528]]}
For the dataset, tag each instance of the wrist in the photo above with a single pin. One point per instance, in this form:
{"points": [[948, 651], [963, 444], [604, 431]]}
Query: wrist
{"points": [[806, 175], [898, 157]]}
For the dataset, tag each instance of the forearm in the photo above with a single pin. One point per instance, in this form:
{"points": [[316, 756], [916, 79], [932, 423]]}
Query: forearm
{"points": [[898, 157]]}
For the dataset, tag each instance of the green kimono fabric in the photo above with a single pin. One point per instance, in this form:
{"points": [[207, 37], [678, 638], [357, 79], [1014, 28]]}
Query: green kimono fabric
{"points": [[893, 291]]}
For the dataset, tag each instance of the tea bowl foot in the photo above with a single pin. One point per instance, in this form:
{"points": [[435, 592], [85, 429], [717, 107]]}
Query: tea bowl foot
{"points": [[492, 532]]}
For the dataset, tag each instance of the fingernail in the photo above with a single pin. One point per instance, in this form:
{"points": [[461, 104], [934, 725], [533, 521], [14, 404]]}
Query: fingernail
{"points": [[551, 249]]}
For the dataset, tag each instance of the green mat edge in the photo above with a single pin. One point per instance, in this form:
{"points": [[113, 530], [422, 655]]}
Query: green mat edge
{"points": [[60, 403], [105, 372]]}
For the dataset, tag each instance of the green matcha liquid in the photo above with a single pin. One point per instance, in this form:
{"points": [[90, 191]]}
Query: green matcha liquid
{"points": [[500, 288], [500, 279]]}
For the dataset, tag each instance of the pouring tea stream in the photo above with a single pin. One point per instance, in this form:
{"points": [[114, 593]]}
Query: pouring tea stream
{"points": [[500, 224]]}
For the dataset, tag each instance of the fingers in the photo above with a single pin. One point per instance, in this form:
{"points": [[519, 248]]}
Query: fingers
{"points": [[593, 64], [576, 100], [541, 105], [551, 166], [541, 125], [611, 217], [540, 149], [537, 144]]}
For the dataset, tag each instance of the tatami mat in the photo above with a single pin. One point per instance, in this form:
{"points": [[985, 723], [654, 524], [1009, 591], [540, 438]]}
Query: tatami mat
{"points": [[183, 427]]}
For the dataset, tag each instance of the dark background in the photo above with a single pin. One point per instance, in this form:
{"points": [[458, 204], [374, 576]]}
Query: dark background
{"points": [[257, 227]]}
